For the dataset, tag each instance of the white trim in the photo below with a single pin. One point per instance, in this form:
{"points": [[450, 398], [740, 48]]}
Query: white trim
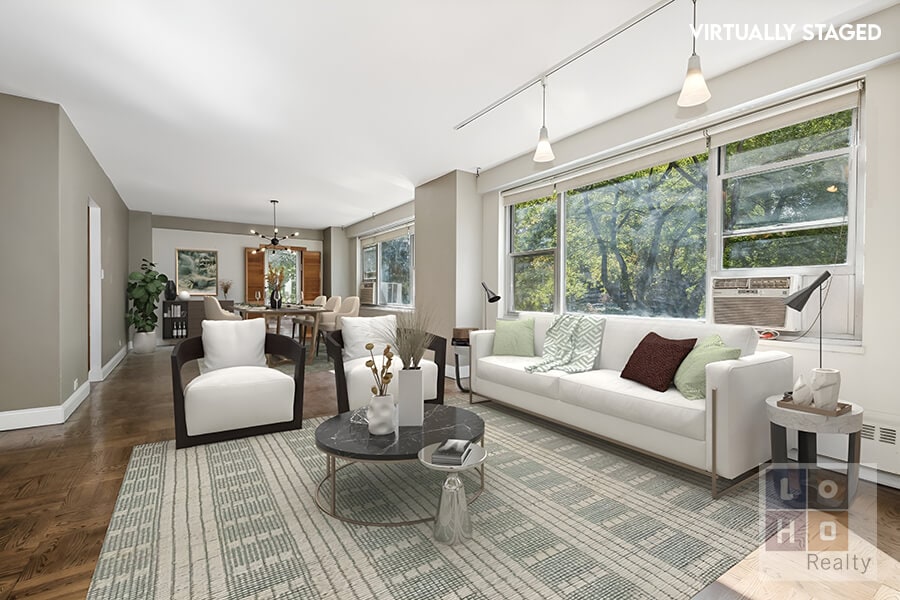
{"points": [[111, 365], [44, 415], [95, 291]]}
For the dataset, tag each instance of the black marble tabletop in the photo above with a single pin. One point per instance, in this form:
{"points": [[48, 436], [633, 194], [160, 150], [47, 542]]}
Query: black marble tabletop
{"points": [[340, 437]]}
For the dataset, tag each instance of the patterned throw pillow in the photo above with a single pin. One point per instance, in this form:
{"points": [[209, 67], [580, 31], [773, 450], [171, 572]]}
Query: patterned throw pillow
{"points": [[588, 338], [656, 359], [690, 379], [571, 345]]}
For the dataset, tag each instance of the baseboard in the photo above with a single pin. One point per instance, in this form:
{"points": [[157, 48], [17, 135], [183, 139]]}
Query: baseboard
{"points": [[866, 472], [44, 415], [110, 366]]}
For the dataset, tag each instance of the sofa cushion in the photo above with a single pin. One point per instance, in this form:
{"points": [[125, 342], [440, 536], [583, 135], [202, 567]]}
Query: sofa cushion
{"points": [[606, 392], [238, 397], [690, 379], [359, 331], [510, 371], [514, 338], [656, 359], [360, 380], [233, 344]]}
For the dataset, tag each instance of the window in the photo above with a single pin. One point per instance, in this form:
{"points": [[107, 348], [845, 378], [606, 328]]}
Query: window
{"points": [[388, 259], [776, 190], [636, 244], [284, 262], [785, 195], [533, 235]]}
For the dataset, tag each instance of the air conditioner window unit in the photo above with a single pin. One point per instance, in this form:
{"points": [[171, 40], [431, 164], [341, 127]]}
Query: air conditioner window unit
{"points": [[367, 292], [755, 301]]}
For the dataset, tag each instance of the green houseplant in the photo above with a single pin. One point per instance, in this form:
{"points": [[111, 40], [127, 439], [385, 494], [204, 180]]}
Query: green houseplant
{"points": [[143, 290]]}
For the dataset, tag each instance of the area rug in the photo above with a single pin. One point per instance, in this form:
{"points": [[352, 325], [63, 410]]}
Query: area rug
{"points": [[561, 517]]}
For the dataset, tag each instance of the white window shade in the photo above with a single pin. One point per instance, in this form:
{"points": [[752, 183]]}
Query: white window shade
{"points": [[387, 235], [788, 113]]}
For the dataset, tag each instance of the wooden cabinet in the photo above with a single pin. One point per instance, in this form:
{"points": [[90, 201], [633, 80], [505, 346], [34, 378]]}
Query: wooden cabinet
{"points": [[183, 318], [254, 275]]}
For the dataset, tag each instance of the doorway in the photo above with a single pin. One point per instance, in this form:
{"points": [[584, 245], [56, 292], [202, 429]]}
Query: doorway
{"points": [[95, 294]]}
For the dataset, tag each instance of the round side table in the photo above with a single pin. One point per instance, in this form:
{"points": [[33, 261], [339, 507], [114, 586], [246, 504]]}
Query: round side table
{"points": [[807, 426], [452, 523]]}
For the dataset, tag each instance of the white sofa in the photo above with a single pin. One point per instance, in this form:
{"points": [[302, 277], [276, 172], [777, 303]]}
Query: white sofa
{"points": [[665, 424]]}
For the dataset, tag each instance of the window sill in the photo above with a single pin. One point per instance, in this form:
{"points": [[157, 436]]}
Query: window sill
{"points": [[834, 346]]}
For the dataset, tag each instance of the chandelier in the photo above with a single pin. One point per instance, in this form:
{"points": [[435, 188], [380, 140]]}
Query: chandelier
{"points": [[274, 240]]}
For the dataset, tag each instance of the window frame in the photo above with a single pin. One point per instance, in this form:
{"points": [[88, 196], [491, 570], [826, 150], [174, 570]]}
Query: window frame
{"points": [[853, 268], [375, 240]]}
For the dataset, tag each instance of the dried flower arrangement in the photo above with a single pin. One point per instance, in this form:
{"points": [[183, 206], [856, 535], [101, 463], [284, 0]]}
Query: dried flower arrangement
{"points": [[383, 376], [226, 284], [275, 278], [412, 337]]}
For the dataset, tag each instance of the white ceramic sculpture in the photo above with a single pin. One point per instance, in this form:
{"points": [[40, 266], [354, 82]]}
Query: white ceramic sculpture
{"points": [[802, 395], [184, 295], [826, 387], [382, 415]]}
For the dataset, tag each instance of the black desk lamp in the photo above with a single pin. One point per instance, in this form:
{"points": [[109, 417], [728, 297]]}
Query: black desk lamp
{"points": [[798, 300], [492, 298]]}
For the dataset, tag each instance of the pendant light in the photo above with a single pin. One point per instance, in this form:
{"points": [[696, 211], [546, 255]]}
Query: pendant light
{"points": [[543, 153], [694, 90], [274, 239]]}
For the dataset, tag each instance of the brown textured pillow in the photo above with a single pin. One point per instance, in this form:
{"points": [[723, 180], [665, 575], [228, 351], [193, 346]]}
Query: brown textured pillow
{"points": [[656, 359]]}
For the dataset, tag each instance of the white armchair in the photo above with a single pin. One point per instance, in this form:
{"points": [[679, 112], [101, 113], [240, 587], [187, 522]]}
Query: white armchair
{"points": [[237, 395]]}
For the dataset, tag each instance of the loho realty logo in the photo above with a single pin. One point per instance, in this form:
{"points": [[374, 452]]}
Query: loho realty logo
{"points": [[810, 531], [778, 32]]}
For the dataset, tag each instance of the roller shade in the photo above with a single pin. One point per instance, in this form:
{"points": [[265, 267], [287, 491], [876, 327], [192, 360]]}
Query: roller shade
{"points": [[611, 167], [387, 235], [789, 113]]}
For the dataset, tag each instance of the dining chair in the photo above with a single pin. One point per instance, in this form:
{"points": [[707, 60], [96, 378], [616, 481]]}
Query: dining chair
{"points": [[332, 321], [330, 305], [213, 311]]}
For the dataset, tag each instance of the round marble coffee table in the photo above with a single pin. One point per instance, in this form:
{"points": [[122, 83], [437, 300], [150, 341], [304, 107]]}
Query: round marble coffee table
{"points": [[340, 438]]}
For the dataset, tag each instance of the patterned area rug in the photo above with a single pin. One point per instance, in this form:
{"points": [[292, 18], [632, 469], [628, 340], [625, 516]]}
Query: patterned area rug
{"points": [[561, 517]]}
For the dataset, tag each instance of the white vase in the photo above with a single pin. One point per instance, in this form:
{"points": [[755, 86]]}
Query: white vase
{"points": [[410, 398], [802, 395], [144, 342], [826, 387], [382, 415]]}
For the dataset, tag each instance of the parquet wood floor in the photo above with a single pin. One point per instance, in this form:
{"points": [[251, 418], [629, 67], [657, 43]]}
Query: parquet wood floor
{"points": [[58, 484]]}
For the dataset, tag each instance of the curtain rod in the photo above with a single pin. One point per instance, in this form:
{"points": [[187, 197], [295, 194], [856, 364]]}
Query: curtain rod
{"points": [[567, 61]]}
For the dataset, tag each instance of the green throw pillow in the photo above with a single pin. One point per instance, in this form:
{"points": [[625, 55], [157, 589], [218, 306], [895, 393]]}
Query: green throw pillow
{"points": [[690, 379], [514, 338]]}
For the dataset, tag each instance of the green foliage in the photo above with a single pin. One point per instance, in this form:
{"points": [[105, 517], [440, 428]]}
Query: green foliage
{"points": [[396, 267], [143, 289], [286, 259], [824, 246]]}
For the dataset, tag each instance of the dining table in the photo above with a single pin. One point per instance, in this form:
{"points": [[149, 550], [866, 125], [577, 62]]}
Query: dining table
{"points": [[249, 311]]}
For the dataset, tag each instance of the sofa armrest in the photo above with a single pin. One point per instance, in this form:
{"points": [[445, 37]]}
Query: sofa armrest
{"points": [[740, 388], [481, 344]]}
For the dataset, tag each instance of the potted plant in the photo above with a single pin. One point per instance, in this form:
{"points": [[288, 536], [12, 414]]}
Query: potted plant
{"points": [[143, 290], [410, 343], [225, 284], [381, 413]]}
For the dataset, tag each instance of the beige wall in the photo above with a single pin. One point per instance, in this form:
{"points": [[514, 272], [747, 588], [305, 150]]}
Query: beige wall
{"points": [[867, 370], [29, 313], [47, 179], [336, 263], [140, 238], [81, 180]]}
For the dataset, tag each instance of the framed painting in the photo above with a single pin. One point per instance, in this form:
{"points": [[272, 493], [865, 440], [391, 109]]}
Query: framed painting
{"points": [[198, 272]]}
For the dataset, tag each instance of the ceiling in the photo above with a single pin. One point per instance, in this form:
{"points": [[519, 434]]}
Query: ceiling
{"points": [[209, 108]]}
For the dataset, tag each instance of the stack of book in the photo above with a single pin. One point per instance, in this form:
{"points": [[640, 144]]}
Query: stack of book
{"points": [[452, 453]]}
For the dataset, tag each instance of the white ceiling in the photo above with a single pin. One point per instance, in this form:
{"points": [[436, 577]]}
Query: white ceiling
{"points": [[209, 108]]}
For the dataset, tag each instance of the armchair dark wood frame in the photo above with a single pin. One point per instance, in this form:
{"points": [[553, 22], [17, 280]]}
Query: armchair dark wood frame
{"points": [[334, 344], [192, 349]]}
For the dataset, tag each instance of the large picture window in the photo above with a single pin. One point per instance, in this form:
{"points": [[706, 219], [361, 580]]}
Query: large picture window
{"points": [[645, 242]]}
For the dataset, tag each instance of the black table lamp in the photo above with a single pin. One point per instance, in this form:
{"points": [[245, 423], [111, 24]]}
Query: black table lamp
{"points": [[492, 298], [798, 300]]}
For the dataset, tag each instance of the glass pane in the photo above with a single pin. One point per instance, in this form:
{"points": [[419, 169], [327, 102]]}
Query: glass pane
{"points": [[800, 194], [534, 225], [370, 262], [533, 283], [818, 135], [637, 244], [282, 266], [395, 274], [826, 246]]}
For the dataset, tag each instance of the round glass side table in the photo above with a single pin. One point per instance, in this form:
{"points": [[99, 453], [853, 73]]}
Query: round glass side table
{"points": [[452, 523]]}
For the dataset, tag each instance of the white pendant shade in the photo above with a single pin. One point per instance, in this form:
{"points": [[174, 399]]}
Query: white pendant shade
{"points": [[543, 152], [694, 90]]}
